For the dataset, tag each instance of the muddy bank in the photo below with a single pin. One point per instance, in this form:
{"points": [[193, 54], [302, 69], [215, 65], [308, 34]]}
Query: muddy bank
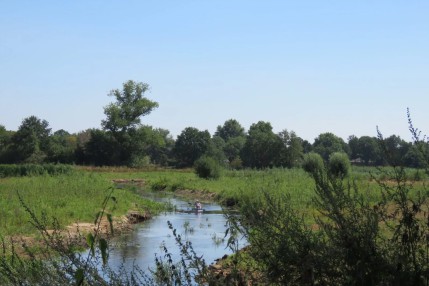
{"points": [[74, 235]]}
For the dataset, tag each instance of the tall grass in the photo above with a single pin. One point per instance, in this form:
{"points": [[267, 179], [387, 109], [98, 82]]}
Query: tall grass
{"points": [[74, 197], [13, 170], [77, 196]]}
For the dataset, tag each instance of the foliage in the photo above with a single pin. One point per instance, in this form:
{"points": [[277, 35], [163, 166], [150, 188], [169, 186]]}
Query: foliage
{"points": [[190, 145], [215, 150], [233, 148], [365, 148], [62, 146], [292, 151], [394, 149], [207, 168], [230, 129], [12, 170], [130, 105], [102, 149], [5, 141], [280, 241], [312, 163], [339, 164], [354, 240], [327, 143], [262, 146], [30, 142]]}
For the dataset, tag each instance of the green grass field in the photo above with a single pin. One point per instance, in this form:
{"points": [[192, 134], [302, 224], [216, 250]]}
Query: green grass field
{"points": [[78, 196], [75, 197]]}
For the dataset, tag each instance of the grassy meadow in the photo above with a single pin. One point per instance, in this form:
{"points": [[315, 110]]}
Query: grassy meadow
{"points": [[73, 197], [78, 195]]}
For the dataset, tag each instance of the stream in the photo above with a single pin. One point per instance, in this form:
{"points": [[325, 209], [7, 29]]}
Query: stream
{"points": [[205, 230]]}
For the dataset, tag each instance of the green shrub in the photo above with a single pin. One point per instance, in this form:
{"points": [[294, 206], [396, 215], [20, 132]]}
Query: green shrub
{"points": [[207, 168], [339, 164], [160, 185], [313, 163]]}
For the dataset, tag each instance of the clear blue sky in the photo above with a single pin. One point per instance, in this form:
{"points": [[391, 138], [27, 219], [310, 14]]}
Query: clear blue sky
{"points": [[309, 66]]}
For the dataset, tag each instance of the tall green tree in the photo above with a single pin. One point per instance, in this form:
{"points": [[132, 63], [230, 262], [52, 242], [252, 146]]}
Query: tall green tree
{"points": [[151, 145], [395, 149], [230, 129], [190, 145], [262, 146], [102, 149], [62, 147], [233, 147], [130, 105], [123, 120], [415, 156], [234, 137], [30, 142], [353, 142], [5, 141], [369, 150], [327, 143], [292, 150]]}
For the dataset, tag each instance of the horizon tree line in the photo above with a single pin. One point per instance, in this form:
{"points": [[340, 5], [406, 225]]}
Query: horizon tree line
{"points": [[124, 141]]}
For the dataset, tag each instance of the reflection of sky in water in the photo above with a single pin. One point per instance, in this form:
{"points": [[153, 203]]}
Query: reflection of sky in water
{"points": [[140, 246]]}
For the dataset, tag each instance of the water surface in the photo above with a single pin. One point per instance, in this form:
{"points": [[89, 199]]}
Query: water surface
{"points": [[206, 231]]}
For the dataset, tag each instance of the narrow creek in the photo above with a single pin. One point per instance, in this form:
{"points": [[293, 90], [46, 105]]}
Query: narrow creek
{"points": [[205, 230]]}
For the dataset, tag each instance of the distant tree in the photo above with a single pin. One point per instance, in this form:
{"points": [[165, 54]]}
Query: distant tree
{"points": [[233, 135], [306, 146], [292, 151], [369, 150], [327, 143], [230, 129], [5, 141], [150, 145], [394, 149], [215, 150], [130, 105], [123, 120], [233, 147], [30, 142], [262, 146], [102, 149], [353, 142], [190, 145], [415, 156], [62, 147], [82, 138]]}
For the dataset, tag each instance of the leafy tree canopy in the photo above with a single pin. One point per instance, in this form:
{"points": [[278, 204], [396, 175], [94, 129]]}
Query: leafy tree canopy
{"points": [[230, 129], [190, 145], [130, 105], [327, 143], [262, 146], [30, 142]]}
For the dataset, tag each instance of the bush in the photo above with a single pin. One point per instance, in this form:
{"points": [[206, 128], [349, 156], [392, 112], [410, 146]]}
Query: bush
{"points": [[207, 168], [339, 165], [160, 185], [313, 163]]}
